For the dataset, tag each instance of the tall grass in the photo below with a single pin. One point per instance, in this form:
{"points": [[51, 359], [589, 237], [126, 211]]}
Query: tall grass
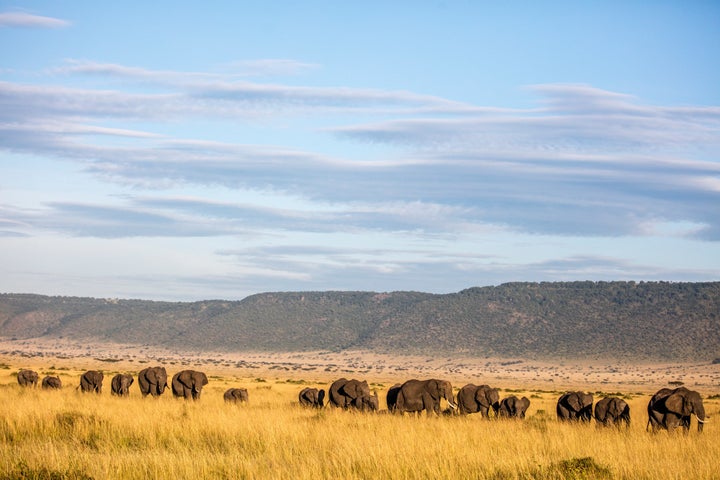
{"points": [[66, 434]]}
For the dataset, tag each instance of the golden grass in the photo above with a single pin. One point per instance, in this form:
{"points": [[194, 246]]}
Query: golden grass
{"points": [[66, 434]]}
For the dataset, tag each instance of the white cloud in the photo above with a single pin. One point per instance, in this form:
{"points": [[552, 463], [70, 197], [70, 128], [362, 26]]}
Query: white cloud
{"points": [[22, 19]]}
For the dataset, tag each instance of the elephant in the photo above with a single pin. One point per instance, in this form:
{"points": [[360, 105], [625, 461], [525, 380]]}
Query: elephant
{"points": [[391, 398], [575, 406], [120, 384], [513, 407], [188, 384], [612, 411], [51, 382], [419, 395], [473, 399], [27, 378], [346, 394], [236, 395], [152, 381], [371, 402], [312, 397], [91, 381], [669, 409]]}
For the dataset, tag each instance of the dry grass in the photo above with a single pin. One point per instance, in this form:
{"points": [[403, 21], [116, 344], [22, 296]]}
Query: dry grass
{"points": [[65, 434]]}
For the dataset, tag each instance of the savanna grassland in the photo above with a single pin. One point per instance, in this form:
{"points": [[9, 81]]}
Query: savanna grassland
{"points": [[66, 434]]}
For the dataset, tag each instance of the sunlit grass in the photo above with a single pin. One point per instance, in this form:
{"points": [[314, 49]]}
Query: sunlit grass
{"points": [[101, 436]]}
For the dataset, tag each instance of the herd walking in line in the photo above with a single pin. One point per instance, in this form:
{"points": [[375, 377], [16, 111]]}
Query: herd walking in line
{"points": [[668, 409]]}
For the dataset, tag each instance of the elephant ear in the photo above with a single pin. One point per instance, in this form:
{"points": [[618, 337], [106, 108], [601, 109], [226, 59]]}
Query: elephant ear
{"points": [[574, 401], [676, 403]]}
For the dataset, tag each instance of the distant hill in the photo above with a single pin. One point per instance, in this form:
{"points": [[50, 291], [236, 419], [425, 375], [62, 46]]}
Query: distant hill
{"points": [[574, 320]]}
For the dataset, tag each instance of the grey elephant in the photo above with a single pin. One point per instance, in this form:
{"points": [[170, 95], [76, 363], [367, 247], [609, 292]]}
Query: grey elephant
{"points": [[236, 395], [669, 409], [312, 397], [120, 384], [473, 399], [513, 407], [391, 397], [49, 383], [575, 406], [91, 381], [419, 395], [353, 393], [612, 411], [152, 381], [188, 384], [27, 378]]}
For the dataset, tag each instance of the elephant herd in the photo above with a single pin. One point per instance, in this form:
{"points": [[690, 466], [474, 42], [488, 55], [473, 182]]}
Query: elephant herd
{"points": [[152, 381], [667, 409]]}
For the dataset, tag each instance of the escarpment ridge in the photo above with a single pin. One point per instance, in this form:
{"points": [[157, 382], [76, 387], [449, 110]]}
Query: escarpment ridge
{"points": [[573, 320]]}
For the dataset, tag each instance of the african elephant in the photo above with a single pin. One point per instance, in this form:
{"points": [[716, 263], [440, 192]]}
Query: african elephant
{"points": [[346, 394], [391, 398], [312, 397], [513, 407], [27, 378], [371, 402], [120, 384], [575, 406], [670, 409], [51, 382], [188, 384], [91, 381], [612, 411], [236, 395], [153, 381], [419, 395], [473, 399]]}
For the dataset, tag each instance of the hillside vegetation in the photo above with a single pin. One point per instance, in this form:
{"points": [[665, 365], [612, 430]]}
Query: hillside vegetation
{"points": [[621, 320]]}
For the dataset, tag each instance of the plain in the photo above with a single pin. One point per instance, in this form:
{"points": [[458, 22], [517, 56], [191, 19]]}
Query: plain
{"points": [[66, 434]]}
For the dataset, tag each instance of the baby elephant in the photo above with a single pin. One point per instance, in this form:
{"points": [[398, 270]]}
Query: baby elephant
{"points": [[513, 407], [612, 411], [49, 383], [120, 384], [236, 395], [312, 397], [27, 378]]}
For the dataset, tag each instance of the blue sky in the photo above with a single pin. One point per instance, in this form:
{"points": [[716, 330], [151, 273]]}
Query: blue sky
{"points": [[179, 151]]}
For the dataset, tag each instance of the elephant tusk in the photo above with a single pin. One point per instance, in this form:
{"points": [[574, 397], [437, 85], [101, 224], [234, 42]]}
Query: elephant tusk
{"points": [[701, 421], [452, 405]]}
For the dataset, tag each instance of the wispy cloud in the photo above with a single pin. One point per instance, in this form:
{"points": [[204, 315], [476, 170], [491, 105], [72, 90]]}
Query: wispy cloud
{"points": [[28, 20], [586, 162]]}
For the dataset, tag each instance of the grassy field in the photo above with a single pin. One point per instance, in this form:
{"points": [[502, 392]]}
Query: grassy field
{"points": [[66, 434]]}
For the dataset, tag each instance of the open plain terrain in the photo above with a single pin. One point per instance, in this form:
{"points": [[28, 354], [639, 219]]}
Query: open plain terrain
{"points": [[66, 434]]}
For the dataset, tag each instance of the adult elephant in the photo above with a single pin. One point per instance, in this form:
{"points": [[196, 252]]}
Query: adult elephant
{"points": [[473, 399], [236, 395], [152, 381], [49, 383], [575, 406], [120, 384], [419, 395], [669, 409], [188, 384], [312, 397], [353, 393], [391, 397], [612, 411], [513, 407], [27, 378], [91, 381]]}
